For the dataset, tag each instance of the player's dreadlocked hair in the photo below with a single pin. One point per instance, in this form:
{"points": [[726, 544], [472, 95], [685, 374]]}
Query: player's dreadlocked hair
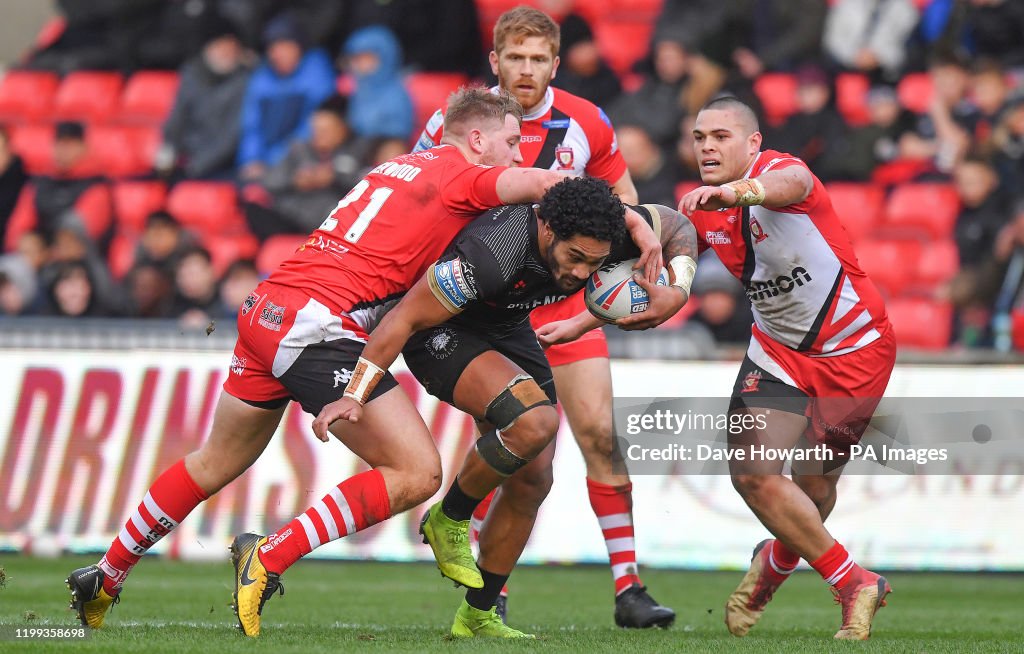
{"points": [[584, 206], [471, 104]]}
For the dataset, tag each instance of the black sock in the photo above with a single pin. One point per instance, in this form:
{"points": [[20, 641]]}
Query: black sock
{"points": [[457, 505], [486, 597]]}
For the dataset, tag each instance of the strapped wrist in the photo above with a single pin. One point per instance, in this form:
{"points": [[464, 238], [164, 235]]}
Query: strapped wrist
{"points": [[364, 380], [748, 192], [683, 269]]}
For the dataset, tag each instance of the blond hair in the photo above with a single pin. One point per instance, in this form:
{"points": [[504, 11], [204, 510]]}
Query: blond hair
{"points": [[523, 22], [471, 105]]}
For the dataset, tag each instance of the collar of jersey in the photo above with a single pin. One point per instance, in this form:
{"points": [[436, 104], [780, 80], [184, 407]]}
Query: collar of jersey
{"points": [[549, 99], [753, 164]]}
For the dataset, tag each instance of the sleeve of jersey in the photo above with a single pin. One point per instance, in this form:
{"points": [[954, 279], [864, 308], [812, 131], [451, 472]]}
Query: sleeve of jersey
{"points": [[472, 189], [432, 132], [781, 161], [606, 161], [470, 273]]}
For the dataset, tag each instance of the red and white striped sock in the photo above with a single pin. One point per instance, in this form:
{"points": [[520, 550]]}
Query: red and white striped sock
{"points": [[836, 566], [351, 506], [613, 506], [169, 500], [782, 561]]}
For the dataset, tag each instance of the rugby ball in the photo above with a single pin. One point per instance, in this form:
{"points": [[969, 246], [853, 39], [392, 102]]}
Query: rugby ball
{"points": [[611, 293]]}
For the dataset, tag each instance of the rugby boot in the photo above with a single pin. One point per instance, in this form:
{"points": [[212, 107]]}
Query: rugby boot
{"points": [[88, 598], [635, 609], [747, 603], [860, 598], [474, 623], [449, 540], [254, 584]]}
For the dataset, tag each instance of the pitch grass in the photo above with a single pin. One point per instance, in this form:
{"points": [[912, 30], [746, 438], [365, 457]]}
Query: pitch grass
{"points": [[376, 607]]}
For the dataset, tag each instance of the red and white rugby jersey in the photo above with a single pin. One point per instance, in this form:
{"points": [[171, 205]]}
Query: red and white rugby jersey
{"points": [[388, 229], [565, 133], [798, 268]]}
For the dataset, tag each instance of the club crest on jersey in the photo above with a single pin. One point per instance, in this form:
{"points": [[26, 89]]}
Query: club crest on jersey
{"points": [[564, 157], [751, 382], [756, 230], [442, 342], [249, 303]]}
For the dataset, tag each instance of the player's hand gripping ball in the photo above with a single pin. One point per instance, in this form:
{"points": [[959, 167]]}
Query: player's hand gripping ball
{"points": [[612, 293]]}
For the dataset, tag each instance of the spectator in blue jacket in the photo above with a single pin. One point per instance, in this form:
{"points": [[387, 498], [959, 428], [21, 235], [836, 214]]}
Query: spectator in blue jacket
{"points": [[282, 94], [380, 106]]}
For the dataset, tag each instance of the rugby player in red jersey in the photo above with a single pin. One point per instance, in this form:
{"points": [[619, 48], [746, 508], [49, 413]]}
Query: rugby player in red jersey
{"points": [[300, 335], [819, 359], [564, 132]]}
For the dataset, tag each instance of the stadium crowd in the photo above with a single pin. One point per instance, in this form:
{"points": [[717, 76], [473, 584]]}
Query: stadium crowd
{"points": [[159, 157]]}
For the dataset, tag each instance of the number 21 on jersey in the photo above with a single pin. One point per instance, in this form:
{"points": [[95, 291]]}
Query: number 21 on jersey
{"points": [[369, 212]]}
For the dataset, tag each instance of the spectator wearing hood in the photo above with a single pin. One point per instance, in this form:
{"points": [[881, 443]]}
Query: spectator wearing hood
{"points": [[379, 106], [201, 134], [281, 96]]}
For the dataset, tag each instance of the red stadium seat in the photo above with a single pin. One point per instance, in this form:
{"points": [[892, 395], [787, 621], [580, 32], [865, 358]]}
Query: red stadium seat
{"points": [[915, 92], [929, 209], [134, 201], [777, 92], [920, 323], [852, 98], [121, 255], [682, 188], [96, 210], [116, 151], [26, 96], [859, 206], [207, 208], [227, 249], [148, 97], [622, 42], [429, 92], [891, 264], [276, 249], [939, 262], [88, 96], [35, 145], [23, 218]]}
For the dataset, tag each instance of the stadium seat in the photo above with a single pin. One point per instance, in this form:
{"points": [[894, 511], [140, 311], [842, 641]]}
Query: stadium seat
{"points": [[148, 97], [116, 151], [928, 209], [23, 218], [622, 42], [429, 92], [227, 249], [276, 249], [915, 92], [777, 92], [939, 262], [852, 98], [920, 323], [121, 255], [35, 145], [859, 206], [891, 264], [27, 96], [88, 96], [207, 208], [682, 188], [134, 201], [96, 210]]}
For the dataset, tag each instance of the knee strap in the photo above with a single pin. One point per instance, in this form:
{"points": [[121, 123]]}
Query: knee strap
{"points": [[502, 460], [521, 395]]}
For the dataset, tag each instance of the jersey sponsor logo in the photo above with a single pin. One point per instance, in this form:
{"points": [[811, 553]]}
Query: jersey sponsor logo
{"points": [[752, 382], [238, 364], [530, 305], [780, 285], [249, 303], [275, 541], [343, 376], [435, 122], [756, 230], [717, 238], [560, 123], [530, 138], [271, 317], [442, 342], [450, 278], [564, 156], [425, 143]]}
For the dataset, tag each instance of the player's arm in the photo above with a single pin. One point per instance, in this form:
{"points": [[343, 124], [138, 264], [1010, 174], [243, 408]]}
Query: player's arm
{"points": [[420, 309], [522, 185], [625, 189], [775, 188], [679, 244], [648, 242]]}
